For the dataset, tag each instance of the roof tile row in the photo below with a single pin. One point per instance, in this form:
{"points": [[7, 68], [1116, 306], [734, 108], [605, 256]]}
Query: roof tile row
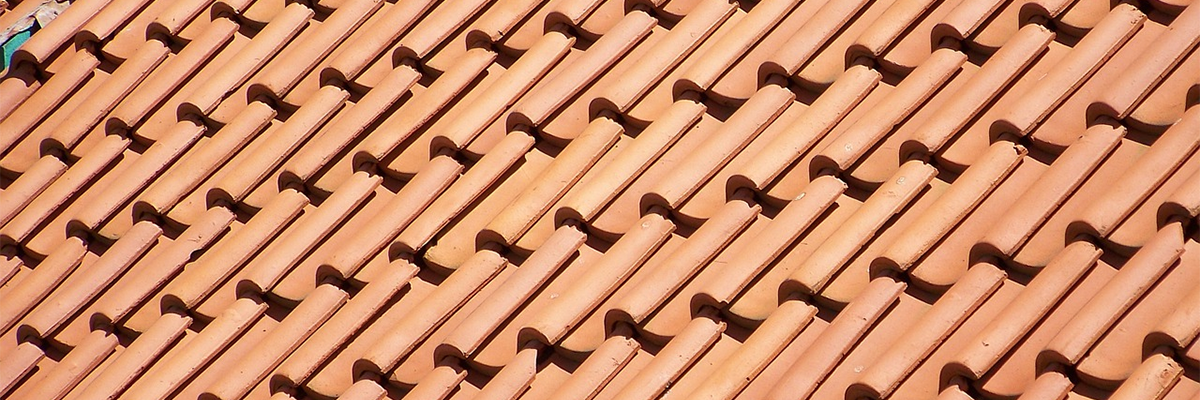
{"points": [[602, 199]]}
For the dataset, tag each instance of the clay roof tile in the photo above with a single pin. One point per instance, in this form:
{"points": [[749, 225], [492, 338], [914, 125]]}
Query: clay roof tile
{"points": [[600, 199]]}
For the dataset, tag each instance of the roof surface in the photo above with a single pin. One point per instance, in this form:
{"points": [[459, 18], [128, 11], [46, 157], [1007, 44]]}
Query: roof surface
{"points": [[576, 199]]}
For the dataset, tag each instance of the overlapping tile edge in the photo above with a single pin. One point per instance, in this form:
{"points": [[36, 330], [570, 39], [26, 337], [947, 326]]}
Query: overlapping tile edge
{"points": [[605, 199]]}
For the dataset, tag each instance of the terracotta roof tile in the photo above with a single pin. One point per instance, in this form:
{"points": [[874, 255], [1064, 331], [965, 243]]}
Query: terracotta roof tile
{"points": [[78, 289], [47, 98], [959, 202], [120, 26], [167, 79], [22, 360], [601, 199]]}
